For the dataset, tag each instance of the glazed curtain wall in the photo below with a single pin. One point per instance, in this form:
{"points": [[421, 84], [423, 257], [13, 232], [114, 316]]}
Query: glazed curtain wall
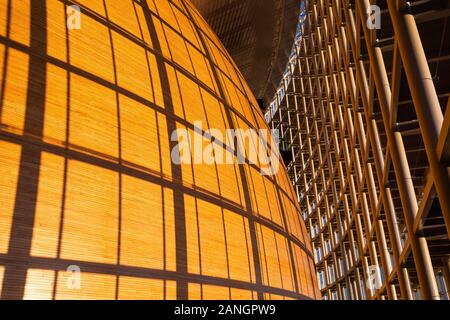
{"points": [[86, 177], [366, 120]]}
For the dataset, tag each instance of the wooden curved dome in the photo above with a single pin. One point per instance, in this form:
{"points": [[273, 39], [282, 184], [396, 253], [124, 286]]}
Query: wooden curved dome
{"points": [[86, 178]]}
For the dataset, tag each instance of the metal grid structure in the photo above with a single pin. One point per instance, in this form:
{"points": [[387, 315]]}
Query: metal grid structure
{"points": [[365, 130], [289, 71]]}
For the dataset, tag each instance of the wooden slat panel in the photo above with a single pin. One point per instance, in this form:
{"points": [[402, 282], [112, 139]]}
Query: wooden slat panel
{"points": [[86, 177]]}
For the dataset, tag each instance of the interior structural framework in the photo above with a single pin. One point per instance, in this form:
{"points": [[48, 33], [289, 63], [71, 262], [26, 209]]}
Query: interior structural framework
{"points": [[365, 131]]}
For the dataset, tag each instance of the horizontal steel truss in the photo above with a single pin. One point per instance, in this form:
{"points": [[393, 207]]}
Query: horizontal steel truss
{"points": [[340, 168]]}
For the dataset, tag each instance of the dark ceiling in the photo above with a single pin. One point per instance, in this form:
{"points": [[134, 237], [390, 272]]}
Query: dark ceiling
{"points": [[259, 35]]}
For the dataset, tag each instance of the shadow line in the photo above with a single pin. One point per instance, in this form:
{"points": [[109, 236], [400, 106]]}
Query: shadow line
{"points": [[66, 159], [27, 186], [60, 265], [150, 176], [5, 59], [253, 238], [178, 195]]}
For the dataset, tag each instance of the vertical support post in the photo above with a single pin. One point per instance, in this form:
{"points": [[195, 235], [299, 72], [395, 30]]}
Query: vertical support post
{"points": [[424, 96]]}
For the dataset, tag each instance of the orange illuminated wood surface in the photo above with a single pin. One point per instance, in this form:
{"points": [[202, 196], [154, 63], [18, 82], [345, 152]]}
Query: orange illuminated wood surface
{"points": [[86, 178]]}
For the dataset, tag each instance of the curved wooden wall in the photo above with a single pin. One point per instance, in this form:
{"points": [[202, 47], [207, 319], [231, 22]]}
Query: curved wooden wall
{"points": [[86, 178]]}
